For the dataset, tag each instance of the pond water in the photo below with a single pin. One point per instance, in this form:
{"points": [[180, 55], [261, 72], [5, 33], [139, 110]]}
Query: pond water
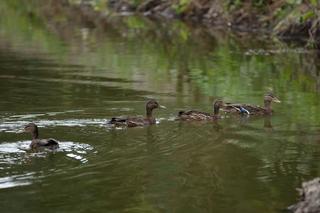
{"points": [[70, 78]]}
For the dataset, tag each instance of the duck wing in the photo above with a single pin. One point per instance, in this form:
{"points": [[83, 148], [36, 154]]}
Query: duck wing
{"points": [[50, 143], [129, 121], [231, 108], [254, 110], [136, 121], [243, 109], [118, 121]]}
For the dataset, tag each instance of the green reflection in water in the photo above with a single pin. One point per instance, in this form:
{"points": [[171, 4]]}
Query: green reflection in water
{"points": [[69, 71]]}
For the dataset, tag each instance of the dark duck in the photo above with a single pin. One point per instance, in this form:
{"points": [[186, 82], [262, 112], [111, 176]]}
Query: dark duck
{"points": [[248, 109], [194, 115], [36, 142], [138, 121]]}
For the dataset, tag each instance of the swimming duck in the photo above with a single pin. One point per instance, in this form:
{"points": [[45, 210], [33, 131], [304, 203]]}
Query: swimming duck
{"points": [[36, 142], [138, 121], [193, 115], [249, 109]]}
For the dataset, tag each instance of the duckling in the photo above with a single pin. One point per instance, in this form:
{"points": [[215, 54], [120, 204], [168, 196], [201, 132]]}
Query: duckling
{"points": [[36, 142], [194, 115], [138, 121], [252, 109]]}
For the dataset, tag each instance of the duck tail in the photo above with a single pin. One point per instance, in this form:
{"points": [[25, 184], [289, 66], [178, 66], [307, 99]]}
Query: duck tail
{"points": [[181, 113], [117, 120], [52, 143]]}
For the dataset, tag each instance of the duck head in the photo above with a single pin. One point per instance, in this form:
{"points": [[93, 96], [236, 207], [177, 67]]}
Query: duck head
{"points": [[269, 97], [33, 129], [151, 105]]}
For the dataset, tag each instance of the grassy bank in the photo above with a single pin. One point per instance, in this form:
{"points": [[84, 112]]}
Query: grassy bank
{"points": [[293, 19]]}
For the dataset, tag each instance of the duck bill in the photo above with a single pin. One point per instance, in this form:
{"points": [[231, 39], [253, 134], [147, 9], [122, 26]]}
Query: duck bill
{"points": [[276, 100], [21, 131], [162, 107]]}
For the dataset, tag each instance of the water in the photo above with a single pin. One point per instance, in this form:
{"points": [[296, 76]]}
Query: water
{"points": [[70, 79]]}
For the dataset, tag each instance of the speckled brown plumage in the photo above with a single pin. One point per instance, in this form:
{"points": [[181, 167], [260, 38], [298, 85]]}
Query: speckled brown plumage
{"points": [[234, 108], [194, 115], [36, 142], [138, 121]]}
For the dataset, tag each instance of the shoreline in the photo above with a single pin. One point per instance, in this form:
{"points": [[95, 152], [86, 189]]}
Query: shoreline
{"points": [[286, 21]]}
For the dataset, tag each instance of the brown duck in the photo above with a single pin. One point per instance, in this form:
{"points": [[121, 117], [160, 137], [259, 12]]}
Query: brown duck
{"points": [[36, 142], [252, 109], [138, 121], [193, 115]]}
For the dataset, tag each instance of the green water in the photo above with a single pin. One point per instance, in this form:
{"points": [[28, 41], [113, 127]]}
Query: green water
{"points": [[70, 78]]}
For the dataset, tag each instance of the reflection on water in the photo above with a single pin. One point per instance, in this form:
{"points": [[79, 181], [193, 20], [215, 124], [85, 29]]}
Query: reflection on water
{"points": [[69, 78], [16, 180]]}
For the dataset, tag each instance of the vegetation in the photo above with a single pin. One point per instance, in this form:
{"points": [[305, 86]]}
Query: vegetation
{"points": [[286, 18]]}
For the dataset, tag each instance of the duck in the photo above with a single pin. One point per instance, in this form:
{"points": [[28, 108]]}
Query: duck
{"points": [[194, 115], [138, 121], [248, 109], [36, 142]]}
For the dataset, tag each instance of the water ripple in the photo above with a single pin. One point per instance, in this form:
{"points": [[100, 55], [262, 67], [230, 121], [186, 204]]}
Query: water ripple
{"points": [[16, 180], [19, 152], [17, 126]]}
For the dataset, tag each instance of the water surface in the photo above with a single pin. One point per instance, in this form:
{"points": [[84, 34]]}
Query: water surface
{"points": [[70, 78]]}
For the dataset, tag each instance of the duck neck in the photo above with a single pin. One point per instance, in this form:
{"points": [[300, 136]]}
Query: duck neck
{"points": [[267, 106], [35, 133], [216, 110], [149, 112]]}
